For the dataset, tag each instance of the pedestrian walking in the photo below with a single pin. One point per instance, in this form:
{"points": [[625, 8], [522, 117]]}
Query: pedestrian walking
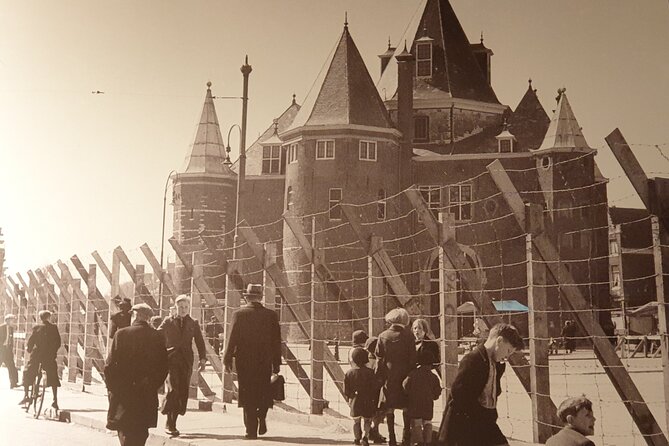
{"points": [[180, 331], [214, 332], [255, 345], [135, 369], [422, 387], [396, 357], [43, 345], [470, 417], [120, 319], [7, 349], [361, 393]]}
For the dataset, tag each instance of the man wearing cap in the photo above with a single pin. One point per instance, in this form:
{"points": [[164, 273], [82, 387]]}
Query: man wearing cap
{"points": [[255, 343], [7, 348], [43, 345], [179, 332], [134, 370], [120, 319]]}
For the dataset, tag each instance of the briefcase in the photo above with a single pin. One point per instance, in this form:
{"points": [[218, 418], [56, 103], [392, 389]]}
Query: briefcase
{"points": [[277, 383]]}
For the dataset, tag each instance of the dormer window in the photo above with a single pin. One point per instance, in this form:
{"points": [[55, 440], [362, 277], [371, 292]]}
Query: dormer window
{"points": [[505, 141], [424, 57], [271, 159]]}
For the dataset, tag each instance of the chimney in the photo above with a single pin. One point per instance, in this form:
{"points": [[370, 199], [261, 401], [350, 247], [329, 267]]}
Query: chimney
{"points": [[405, 77]]}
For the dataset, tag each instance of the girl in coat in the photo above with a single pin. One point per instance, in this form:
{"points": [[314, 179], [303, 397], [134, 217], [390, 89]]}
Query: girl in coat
{"points": [[425, 340], [361, 391], [423, 387]]}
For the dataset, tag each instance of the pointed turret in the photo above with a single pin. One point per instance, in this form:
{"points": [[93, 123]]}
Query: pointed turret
{"points": [[445, 63], [564, 134], [344, 93], [529, 122], [207, 153]]}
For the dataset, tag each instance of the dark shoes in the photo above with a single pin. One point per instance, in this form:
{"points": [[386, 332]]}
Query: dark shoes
{"points": [[55, 405], [376, 437], [250, 437], [364, 441], [170, 426], [25, 400], [262, 426]]}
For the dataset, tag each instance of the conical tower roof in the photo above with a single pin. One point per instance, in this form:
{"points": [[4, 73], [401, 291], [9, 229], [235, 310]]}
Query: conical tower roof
{"points": [[563, 131], [344, 93], [455, 72], [529, 122], [207, 153]]}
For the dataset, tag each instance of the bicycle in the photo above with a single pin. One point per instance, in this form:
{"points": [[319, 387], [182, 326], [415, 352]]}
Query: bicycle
{"points": [[37, 392]]}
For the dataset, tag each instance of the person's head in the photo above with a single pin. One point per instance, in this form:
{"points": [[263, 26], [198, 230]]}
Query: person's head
{"points": [[45, 316], [398, 316], [141, 312], [425, 357], [10, 319], [503, 341], [359, 356], [213, 319], [577, 414], [183, 305], [253, 292], [156, 321], [421, 330], [125, 305], [370, 345], [359, 338], [173, 310]]}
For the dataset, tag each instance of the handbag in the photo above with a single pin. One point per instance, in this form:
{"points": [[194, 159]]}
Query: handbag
{"points": [[277, 384]]}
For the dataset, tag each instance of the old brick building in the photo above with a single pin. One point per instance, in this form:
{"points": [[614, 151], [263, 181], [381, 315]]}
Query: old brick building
{"points": [[434, 120]]}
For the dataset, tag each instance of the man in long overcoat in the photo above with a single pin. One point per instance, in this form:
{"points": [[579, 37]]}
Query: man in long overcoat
{"points": [[180, 331], [135, 368], [120, 319], [7, 348], [43, 345], [255, 343]]}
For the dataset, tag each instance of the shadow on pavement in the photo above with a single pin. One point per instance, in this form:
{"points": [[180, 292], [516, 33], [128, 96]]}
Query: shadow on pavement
{"points": [[196, 436], [304, 440]]}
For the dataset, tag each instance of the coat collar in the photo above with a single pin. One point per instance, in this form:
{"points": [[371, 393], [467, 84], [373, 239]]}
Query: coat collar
{"points": [[254, 305], [140, 323], [396, 327]]}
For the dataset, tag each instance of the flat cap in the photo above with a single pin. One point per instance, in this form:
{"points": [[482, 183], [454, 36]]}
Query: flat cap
{"points": [[142, 308]]}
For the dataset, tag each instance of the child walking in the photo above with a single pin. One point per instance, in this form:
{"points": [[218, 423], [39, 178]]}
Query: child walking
{"points": [[422, 387], [361, 390], [576, 414]]}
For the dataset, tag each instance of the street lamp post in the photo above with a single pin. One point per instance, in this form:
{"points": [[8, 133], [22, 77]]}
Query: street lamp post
{"points": [[162, 242]]}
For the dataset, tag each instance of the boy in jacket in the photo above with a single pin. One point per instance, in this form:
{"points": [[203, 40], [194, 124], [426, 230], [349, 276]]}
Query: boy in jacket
{"points": [[576, 414], [470, 418]]}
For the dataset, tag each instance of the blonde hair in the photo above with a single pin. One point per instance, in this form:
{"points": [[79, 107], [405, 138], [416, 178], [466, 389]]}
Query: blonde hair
{"points": [[425, 326]]}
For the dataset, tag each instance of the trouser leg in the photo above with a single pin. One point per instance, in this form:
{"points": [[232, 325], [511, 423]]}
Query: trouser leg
{"points": [[134, 437], [251, 420], [390, 420], [406, 428], [427, 431], [357, 429]]}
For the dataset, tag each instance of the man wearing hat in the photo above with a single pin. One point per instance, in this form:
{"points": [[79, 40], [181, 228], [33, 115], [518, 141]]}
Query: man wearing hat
{"points": [[120, 319], [179, 331], [43, 345], [7, 348], [255, 343], [134, 371]]}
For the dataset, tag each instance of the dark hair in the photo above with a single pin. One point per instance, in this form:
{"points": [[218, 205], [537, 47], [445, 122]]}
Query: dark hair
{"points": [[359, 356], [571, 406], [509, 333]]}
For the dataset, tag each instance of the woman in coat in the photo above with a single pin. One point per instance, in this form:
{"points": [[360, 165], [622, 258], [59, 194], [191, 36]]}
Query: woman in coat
{"points": [[396, 357]]}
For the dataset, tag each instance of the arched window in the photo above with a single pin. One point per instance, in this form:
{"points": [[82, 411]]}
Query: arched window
{"points": [[381, 205]]}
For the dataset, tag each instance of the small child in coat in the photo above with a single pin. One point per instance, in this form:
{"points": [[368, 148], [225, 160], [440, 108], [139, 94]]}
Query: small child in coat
{"points": [[579, 420], [361, 390], [423, 387]]}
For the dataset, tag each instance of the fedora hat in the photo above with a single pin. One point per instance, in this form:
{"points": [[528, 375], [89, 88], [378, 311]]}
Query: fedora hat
{"points": [[253, 290]]}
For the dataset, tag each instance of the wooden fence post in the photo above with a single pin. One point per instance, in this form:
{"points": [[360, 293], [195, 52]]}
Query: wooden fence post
{"points": [[268, 283], [448, 309], [376, 308], [75, 333], [89, 328], [538, 330], [318, 318], [661, 310], [196, 313]]}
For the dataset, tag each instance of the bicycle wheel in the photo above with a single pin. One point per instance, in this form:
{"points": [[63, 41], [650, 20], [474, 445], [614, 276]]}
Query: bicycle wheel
{"points": [[40, 385]]}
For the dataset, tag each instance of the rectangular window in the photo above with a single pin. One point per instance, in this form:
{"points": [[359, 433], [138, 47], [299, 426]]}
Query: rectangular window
{"points": [[505, 146], [368, 150], [615, 276], [333, 204], [292, 153], [325, 149], [613, 247], [460, 201], [423, 59], [271, 159], [421, 129], [432, 197]]}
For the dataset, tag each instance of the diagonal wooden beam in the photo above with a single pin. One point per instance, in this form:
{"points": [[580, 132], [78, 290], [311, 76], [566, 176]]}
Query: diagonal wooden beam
{"points": [[125, 261], [400, 291], [292, 302], [574, 300]]}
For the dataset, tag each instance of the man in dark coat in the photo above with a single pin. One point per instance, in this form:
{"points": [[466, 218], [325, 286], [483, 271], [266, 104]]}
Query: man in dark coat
{"points": [[7, 349], [214, 331], [255, 343], [135, 368], [470, 417], [43, 345], [396, 357], [120, 319], [180, 331]]}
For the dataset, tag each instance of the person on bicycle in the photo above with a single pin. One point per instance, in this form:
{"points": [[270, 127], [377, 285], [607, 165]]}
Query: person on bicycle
{"points": [[43, 345]]}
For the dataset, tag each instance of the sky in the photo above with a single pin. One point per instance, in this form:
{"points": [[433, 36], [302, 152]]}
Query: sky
{"points": [[81, 172]]}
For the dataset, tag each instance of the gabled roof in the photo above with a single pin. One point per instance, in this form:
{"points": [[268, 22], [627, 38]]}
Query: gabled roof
{"points": [[208, 151], [563, 131], [529, 122], [344, 93], [456, 72]]}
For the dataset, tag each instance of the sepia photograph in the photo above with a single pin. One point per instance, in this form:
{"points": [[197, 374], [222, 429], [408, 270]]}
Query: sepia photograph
{"points": [[334, 222]]}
